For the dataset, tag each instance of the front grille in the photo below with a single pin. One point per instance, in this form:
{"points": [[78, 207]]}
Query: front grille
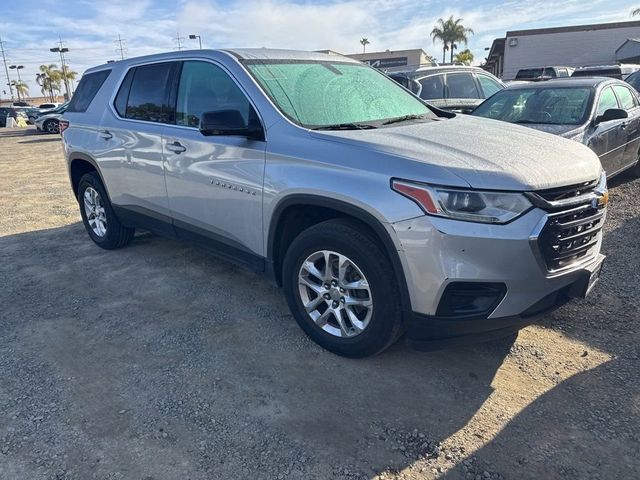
{"points": [[571, 236], [571, 191]]}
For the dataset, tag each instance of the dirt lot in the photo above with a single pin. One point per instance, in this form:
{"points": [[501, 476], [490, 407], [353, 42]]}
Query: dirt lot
{"points": [[160, 361]]}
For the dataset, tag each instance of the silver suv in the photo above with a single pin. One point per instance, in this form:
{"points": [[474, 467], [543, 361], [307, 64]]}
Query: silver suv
{"points": [[376, 213]]}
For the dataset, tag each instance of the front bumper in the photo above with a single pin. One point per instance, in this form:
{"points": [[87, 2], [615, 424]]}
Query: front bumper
{"points": [[437, 252]]}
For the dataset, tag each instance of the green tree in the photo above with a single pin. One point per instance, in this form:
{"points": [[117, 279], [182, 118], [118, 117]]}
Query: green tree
{"points": [[450, 32], [364, 42], [465, 56], [49, 80]]}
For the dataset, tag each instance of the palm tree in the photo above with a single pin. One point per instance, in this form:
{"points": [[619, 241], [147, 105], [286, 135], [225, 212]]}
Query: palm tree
{"points": [[636, 12], [440, 32], [49, 80], [465, 56], [67, 75], [22, 88], [364, 42], [450, 32]]}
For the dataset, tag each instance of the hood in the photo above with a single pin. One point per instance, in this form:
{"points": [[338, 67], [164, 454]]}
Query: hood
{"points": [[565, 131], [485, 153]]}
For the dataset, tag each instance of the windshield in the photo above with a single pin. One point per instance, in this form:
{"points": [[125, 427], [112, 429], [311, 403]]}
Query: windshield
{"points": [[555, 106], [320, 94]]}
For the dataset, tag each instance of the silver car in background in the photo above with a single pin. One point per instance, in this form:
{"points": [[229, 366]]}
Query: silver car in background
{"points": [[376, 213]]}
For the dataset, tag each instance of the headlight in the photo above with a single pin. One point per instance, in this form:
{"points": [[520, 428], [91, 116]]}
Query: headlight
{"points": [[469, 205]]}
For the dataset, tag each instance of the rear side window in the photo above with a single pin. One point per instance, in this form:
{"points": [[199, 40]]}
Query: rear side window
{"points": [[144, 94], [461, 85], [432, 88], [625, 97], [87, 90]]}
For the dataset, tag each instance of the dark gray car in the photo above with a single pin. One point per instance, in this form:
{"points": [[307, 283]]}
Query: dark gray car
{"points": [[602, 113], [454, 87]]}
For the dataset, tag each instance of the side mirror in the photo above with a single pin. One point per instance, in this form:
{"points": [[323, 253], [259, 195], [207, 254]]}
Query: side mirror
{"points": [[611, 114], [229, 122]]}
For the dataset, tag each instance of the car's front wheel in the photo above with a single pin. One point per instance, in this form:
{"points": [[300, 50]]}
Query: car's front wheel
{"points": [[51, 126], [98, 217], [341, 289]]}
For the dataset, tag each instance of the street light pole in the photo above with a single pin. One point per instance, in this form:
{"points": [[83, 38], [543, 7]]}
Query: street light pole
{"points": [[193, 37], [62, 50], [17, 68]]}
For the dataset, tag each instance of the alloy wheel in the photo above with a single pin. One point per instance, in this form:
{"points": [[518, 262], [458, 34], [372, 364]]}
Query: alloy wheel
{"points": [[335, 293], [94, 210]]}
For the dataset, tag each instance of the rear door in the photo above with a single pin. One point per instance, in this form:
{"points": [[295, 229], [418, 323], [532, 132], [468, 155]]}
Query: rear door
{"points": [[631, 128], [432, 90], [214, 183], [607, 138], [130, 140]]}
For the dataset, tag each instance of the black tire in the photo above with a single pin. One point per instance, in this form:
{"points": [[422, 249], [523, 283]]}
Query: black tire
{"points": [[117, 235], [347, 238], [51, 126]]}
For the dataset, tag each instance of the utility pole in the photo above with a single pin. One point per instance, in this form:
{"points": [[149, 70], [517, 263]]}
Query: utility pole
{"points": [[121, 47], [6, 69], [179, 40], [62, 50]]}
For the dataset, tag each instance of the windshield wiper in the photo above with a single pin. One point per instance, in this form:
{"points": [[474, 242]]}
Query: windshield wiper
{"points": [[404, 118], [525, 121], [346, 126]]}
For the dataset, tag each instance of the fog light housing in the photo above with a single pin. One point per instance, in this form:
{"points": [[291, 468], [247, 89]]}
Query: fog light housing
{"points": [[470, 299]]}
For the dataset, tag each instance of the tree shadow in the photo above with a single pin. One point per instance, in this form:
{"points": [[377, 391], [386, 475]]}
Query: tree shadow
{"points": [[171, 363]]}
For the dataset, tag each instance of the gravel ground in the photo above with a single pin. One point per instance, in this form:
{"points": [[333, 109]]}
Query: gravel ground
{"points": [[160, 361]]}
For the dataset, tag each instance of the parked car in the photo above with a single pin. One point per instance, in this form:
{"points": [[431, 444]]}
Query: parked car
{"points": [[48, 106], [543, 73], [602, 113], [619, 72], [14, 112], [49, 121], [376, 213], [634, 80], [455, 88]]}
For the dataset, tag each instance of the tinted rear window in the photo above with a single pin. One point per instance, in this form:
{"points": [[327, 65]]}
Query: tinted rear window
{"points": [[529, 73], [87, 90], [602, 72], [461, 85], [147, 96], [432, 88]]}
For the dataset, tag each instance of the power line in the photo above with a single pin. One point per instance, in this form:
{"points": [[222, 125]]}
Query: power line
{"points": [[121, 48], [6, 69], [179, 41]]}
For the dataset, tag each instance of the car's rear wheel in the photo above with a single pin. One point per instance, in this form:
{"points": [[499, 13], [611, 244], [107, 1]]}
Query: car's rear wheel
{"points": [[98, 217], [51, 126], [341, 289]]}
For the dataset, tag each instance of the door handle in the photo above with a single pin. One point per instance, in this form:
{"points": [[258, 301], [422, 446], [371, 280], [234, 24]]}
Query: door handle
{"points": [[623, 126], [176, 147], [106, 134]]}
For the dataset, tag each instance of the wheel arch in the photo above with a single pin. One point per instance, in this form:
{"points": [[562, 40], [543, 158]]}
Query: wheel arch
{"points": [[79, 165], [289, 219]]}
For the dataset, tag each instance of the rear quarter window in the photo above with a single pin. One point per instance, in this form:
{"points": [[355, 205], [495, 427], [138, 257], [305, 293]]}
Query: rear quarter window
{"points": [[87, 90], [144, 93]]}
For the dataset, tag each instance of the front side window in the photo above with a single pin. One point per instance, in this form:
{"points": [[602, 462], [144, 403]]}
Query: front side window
{"points": [[461, 85], [432, 88], [607, 100], [316, 94], [625, 97], [148, 96], [205, 87], [489, 85], [554, 106]]}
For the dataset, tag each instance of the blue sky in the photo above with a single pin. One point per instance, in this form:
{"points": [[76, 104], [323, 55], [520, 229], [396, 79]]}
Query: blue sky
{"points": [[89, 27]]}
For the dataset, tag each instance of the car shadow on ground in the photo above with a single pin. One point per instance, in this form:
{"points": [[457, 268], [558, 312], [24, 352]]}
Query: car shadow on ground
{"points": [[18, 132], [588, 426], [159, 352]]}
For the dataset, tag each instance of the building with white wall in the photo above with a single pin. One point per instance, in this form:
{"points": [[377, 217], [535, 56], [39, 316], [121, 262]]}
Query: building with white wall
{"points": [[573, 46]]}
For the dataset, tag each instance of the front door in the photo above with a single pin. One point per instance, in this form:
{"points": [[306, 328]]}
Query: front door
{"points": [[607, 138], [629, 102], [214, 183]]}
